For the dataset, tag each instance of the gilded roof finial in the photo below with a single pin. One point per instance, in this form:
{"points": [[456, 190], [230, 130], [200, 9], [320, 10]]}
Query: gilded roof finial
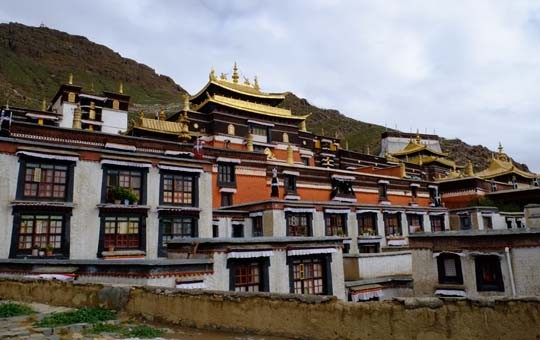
{"points": [[256, 84], [223, 76], [43, 105], [70, 79], [77, 116], [121, 88], [162, 115], [470, 171], [186, 102], [235, 75], [500, 148], [418, 139], [403, 170], [212, 75], [246, 81], [141, 115]]}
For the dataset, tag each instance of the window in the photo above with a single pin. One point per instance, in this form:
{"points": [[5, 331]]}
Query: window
{"points": [[392, 224], [178, 189], [177, 227], [437, 223], [237, 229], [415, 223], [40, 231], [414, 193], [45, 181], [305, 161], [367, 224], [342, 188], [508, 223], [449, 267], [488, 222], [257, 226], [368, 248], [434, 198], [226, 174], [215, 230], [298, 224], [383, 192], [226, 199], [248, 275], [289, 182], [309, 276], [518, 223], [259, 130], [123, 178], [465, 222], [488, 274], [122, 232], [336, 224]]}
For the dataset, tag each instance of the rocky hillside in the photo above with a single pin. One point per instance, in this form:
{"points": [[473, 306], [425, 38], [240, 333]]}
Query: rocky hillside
{"points": [[34, 61]]}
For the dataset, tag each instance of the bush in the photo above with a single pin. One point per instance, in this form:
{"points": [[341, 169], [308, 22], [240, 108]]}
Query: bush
{"points": [[83, 315], [144, 332], [8, 310]]}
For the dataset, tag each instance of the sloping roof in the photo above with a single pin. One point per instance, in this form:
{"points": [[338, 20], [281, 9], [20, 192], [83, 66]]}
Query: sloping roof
{"points": [[162, 126], [416, 147], [502, 165], [239, 88]]}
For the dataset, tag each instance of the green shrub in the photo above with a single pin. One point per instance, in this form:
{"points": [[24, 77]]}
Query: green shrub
{"points": [[144, 332], [8, 310], [83, 315]]}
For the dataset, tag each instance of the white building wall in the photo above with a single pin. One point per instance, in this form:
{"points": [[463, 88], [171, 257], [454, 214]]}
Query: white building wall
{"points": [[318, 224], [220, 279], [114, 121], [338, 275], [85, 222], [384, 264], [380, 228], [279, 273], [8, 191], [67, 114], [152, 221], [352, 229], [426, 223], [526, 268]]}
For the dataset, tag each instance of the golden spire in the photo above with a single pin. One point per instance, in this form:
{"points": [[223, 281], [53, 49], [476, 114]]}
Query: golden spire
{"points": [[92, 112], [43, 105], [212, 75], [303, 126], [121, 88], [418, 139], [470, 171], [141, 116], [500, 149], [235, 75], [186, 102], [249, 142], [184, 135], [162, 115], [346, 144], [77, 116], [256, 84], [290, 158], [403, 170], [70, 79]]}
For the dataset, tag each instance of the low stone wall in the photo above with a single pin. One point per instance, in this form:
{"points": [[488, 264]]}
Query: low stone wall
{"points": [[300, 317]]}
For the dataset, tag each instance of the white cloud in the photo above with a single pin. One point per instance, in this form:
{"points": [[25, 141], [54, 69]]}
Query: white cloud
{"points": [[468, 69]]}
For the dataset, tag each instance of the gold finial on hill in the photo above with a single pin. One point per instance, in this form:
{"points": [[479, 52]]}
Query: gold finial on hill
{"points": [[470, 171], [162, 115], [43, 105], [223, 76], [121, 88], [235, 75], [186, 102], [70, 79], [256, 84], [246, 81], [418, 139], [500, 148], [77, 116], [141, 115], [212, 75]]}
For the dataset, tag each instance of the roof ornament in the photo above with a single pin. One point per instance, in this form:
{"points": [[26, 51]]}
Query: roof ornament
{"points": [[77, 116], [44, 105], [141, 116], [70, 79], [162, 115], [186, 102], [212, 75], [246, 81], [121, 88], [256, 84], [470, 170], [500, 148], [223, 76], [418, 139], [235, 75]]}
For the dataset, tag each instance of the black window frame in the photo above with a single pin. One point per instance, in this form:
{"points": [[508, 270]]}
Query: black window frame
{"points": [[362, 247], [223, 182], [443, 277], [257, 226], [238, 230], [262, 262], [162, 249], [420, 219], [142, 230], [326, 261], [309, 220], [387, 227], [383, 191], [342, 188], [360, 218], [107, 168], [63, 252], [194, 187], [489, 220], [480, 262], [289, 184], [465, 222], [69, 183], [226, 198], [436, 217], [343, 217]]}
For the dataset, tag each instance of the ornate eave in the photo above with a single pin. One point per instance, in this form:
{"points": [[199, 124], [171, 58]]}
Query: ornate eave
{"points": [[501, 167], [415, 147], [243, 89]]}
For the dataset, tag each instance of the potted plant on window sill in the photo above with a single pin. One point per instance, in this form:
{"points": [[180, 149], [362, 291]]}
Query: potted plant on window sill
{"points": [[49, 250], [41, 252], [123, 196]]}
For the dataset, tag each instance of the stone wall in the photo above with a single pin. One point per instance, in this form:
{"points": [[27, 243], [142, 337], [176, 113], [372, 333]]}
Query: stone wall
{"points": [[300, 317]]}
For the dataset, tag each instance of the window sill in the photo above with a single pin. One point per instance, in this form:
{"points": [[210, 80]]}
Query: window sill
{"points": [[450, 286], [123, 255], [370, 237], [291, 197], [43, 203], [384, 202], [226, 185]]}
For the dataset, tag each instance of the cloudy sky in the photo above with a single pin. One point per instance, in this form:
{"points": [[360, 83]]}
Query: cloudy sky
{"points": [[467, 69]]}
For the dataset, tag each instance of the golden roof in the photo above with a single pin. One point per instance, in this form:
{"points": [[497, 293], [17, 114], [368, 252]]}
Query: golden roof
{"points": [[162, 126], [444, 161], [499, 167], [249, 106], [415, 146]]}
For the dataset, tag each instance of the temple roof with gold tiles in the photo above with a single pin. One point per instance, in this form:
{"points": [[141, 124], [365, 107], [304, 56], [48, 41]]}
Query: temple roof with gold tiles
{"points": [[501, 165]]}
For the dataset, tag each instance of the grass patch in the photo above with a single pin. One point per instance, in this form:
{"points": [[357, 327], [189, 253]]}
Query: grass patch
{"points": [[83, 315], [8, 310], [143, 331]]}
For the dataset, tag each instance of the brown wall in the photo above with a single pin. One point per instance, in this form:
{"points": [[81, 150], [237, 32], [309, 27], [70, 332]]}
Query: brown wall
{"points": [[306, 317]]}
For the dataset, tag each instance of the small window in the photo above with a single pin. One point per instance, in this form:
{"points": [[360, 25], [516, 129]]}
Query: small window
{"points": [[226, 174], [383, 192], [298, 224], [40, 231], [367, 224], [247, 277], [368, 248], [392, 225], [518, 223], [257, 225], [465, 222], [289, 182], [488, 222], [341, 188], [130, 181], [122, 232], [237, 230], [305, 161], [336, 224], [215, 230], [45, 181], [449, 266], [437, 223], [434, 198], [414, 193], [416, 223], [509, 223], [178, 189], [488, 274], [309, 276], [226, 199]]}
